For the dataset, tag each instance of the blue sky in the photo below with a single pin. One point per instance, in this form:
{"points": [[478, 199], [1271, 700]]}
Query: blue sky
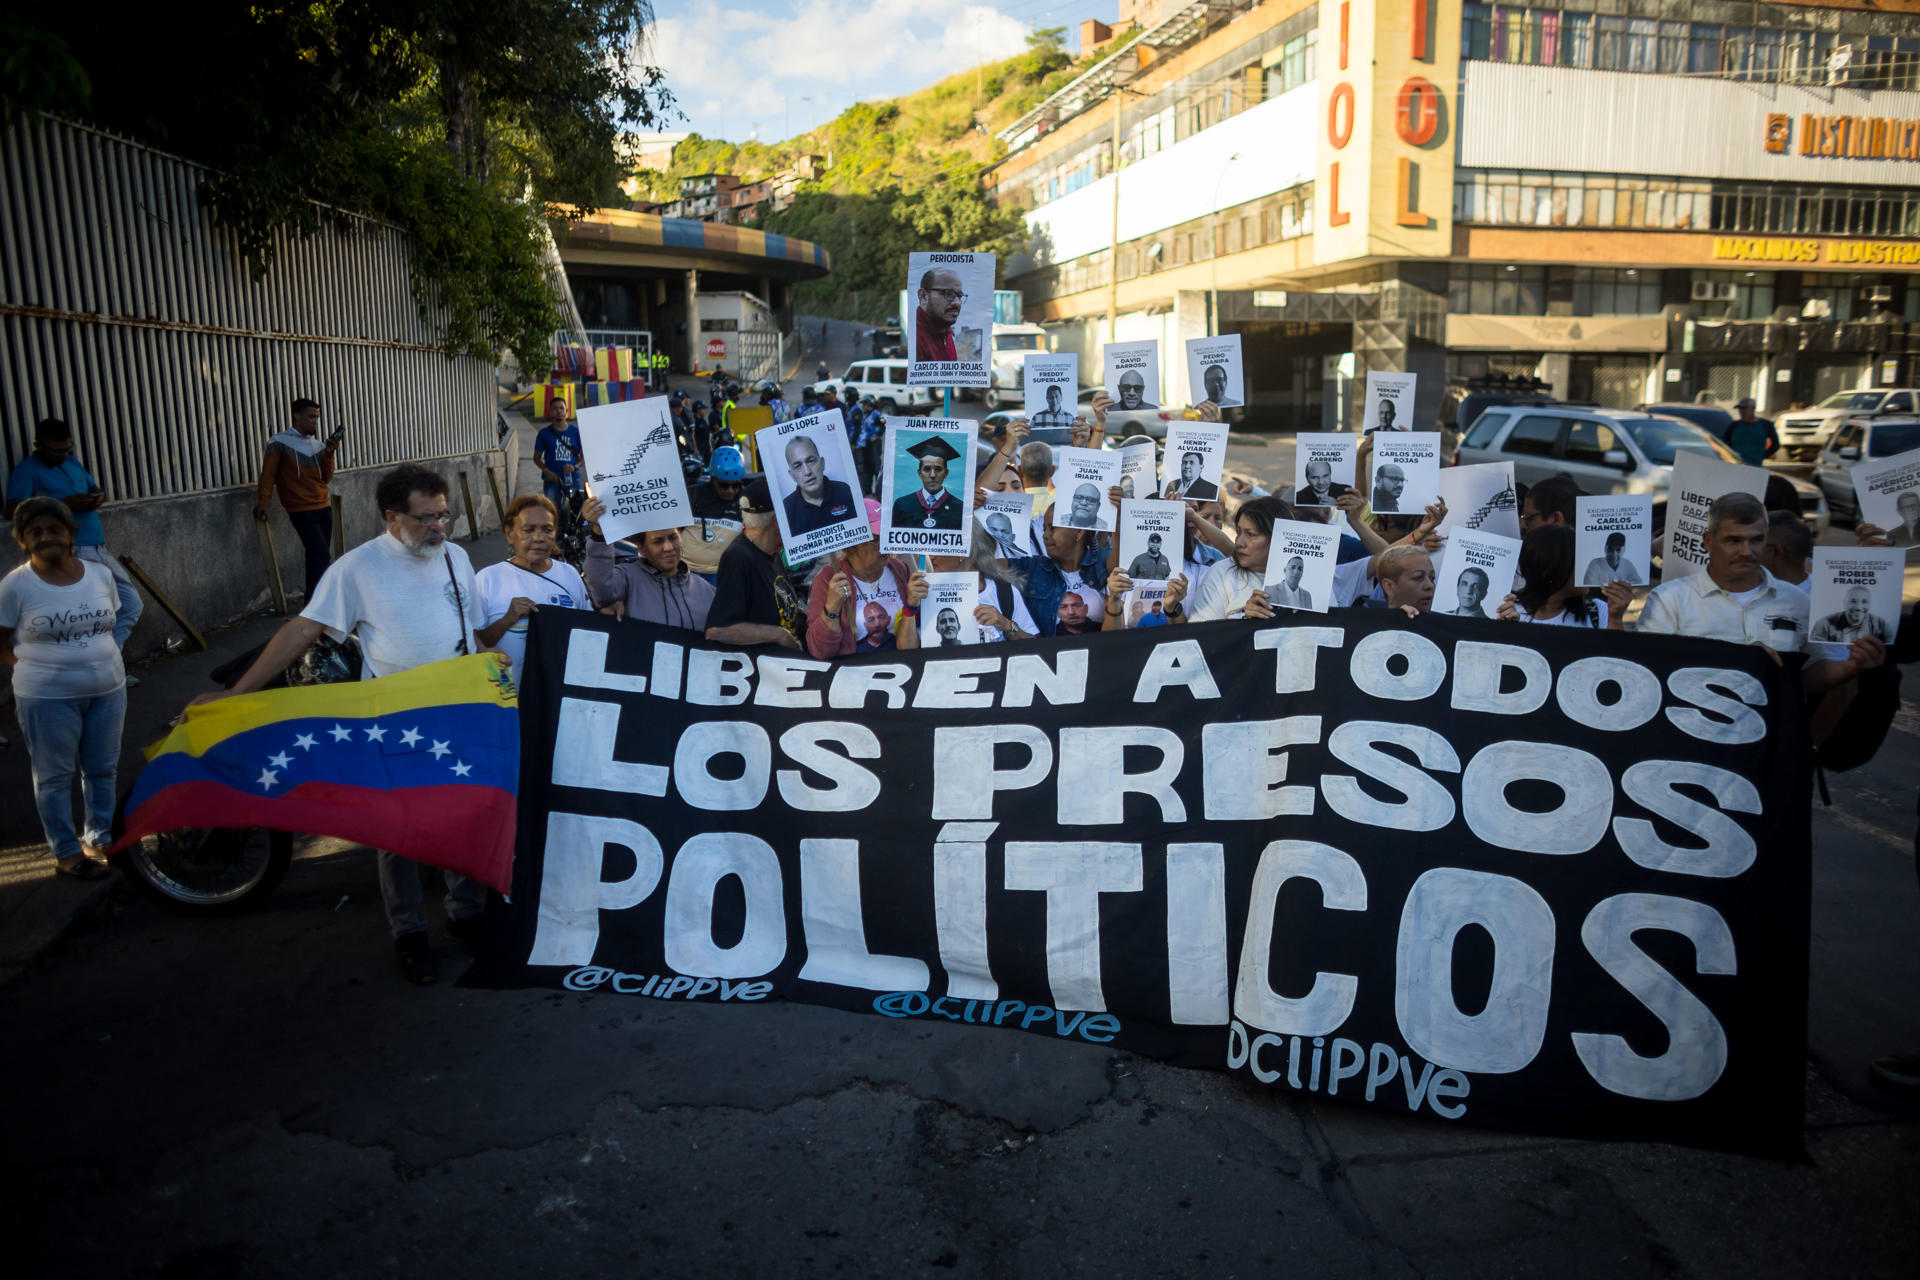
{"points": [[732, 63]]}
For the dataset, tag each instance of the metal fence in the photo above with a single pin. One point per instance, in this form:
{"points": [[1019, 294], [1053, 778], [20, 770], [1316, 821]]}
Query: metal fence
{"points": [[756, 354], [123, 311]]}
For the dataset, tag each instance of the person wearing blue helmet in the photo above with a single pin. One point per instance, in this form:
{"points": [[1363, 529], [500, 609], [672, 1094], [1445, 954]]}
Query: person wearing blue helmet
{"points": [[719, 497]]}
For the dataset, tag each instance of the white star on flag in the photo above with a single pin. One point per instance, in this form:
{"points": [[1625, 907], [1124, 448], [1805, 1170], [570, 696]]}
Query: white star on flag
{"points": [[304, 742], [462, 768], [280, 761], [376, 734], [341, 733], [439, 749], [410, 737], [266, 779]]}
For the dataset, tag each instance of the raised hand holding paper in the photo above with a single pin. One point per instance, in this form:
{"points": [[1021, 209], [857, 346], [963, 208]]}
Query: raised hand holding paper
{"points": [[1008, 520], [1888, 491], [1152, 538], [633, 465], [1389, 401], [1475, 573], [1406, 471], [946, 615], [1481, 496], [1323, 467], [1300, 564], [1856, 596], [1214, 371], [1698, 479], [809, 466], [1613, 540], [1133, 374], [1052, 389], [1081, 478], [1196, 455], [926, 487], [952, 319]]}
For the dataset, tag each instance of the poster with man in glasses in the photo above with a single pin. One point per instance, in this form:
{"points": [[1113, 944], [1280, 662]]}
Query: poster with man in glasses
{"points": [[952, 318]]}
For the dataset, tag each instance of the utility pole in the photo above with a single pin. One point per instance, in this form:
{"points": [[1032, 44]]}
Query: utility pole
{"points": [[1113, 240]]}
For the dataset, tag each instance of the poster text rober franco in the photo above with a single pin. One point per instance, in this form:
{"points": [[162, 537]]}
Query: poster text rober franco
{"points": [[1559, 885]]}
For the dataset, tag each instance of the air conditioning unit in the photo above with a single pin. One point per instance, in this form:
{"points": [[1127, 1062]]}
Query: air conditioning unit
{"points": [[1817, 309], [1713, 291], [1880, 293]]}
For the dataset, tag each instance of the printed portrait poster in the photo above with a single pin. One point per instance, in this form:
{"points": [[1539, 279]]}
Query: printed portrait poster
{"points": [[1888, 490], [633, 465], [1195, 456], [1133, 374], [1613, 539], [946, 615], [1152, 539], [809, 468], [1323, 467], [1008, 520], [1480, 496], [951, 328], [1389, 401], [1052, 389], [1856, 594], [1698, 479], [1300, 564], [1406, 472], [926, 487], [1475, 574], [1081, 478], [1136, 471], [1147, 605], [1214, 371]]}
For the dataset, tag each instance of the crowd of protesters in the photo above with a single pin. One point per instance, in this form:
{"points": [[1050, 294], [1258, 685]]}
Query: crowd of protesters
{"points": [[727, 578]]}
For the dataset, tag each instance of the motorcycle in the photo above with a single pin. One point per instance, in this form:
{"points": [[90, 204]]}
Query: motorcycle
{"points": [[222, 870]]}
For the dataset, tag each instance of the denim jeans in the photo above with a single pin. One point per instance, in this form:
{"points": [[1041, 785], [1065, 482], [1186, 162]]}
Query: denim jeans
{"points": [[316, 537], [62, 734], [400, 890], [127, 610]]}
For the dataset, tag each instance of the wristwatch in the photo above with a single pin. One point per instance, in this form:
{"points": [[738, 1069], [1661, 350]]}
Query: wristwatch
{"points": [[1175, 610]]}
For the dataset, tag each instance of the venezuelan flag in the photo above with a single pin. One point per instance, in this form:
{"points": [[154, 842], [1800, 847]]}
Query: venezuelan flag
{"points": [[425, 764]]}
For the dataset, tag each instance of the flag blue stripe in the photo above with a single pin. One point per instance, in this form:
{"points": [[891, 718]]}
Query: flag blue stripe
{"points": [[482, 736]]}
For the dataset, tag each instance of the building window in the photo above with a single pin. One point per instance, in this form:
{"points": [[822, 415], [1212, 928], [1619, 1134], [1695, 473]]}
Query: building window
{"points": [[1489, 289], [1615, 291], [1752, 294]]}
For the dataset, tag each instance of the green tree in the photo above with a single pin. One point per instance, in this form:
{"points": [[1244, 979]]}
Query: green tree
{"points": [[460, 121]]}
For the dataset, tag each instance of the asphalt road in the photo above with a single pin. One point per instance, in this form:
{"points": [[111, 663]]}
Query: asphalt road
{"points": [[263, 1096]]}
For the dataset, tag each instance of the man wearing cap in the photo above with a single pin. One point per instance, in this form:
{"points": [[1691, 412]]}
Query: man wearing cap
{"points": [[816, 501], [1151, 563], [930, 506], [1750, 437], [754, 601]]}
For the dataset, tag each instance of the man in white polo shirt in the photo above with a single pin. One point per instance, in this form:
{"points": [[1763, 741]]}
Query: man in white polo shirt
{"points": [[1735, 599]]}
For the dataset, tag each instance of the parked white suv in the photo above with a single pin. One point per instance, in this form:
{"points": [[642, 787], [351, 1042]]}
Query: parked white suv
{"points": [[884, 380], [1805, 432]]}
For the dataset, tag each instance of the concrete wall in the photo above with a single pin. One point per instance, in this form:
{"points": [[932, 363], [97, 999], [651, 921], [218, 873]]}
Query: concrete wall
{"points": [[204, 552]]}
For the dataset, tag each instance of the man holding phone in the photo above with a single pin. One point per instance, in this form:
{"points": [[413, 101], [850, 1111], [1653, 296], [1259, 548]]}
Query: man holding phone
{"points": [[300, 466]]}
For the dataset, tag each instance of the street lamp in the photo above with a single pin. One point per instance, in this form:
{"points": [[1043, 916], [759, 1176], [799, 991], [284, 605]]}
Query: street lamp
{"points": [[1213, 205]]}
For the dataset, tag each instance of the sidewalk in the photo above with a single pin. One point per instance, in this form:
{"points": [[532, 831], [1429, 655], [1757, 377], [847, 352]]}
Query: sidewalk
{"points": [[37, 906]]}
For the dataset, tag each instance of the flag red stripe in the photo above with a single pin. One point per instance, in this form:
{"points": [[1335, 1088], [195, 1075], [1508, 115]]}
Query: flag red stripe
{"points": [[461, 828]]}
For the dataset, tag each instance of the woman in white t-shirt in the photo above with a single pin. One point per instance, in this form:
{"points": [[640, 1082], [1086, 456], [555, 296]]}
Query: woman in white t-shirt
{"points": [[1550, 594], [69, 687], [530, 578]]}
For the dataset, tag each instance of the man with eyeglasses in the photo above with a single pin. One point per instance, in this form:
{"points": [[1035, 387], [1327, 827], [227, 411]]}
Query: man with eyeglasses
{"points": [[410, 597], [941, 294]]}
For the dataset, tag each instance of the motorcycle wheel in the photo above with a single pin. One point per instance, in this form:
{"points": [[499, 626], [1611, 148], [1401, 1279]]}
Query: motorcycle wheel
{"points": [[210, 872]]}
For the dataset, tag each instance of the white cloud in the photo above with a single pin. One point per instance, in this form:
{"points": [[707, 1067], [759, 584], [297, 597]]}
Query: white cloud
{"points": [[732, 66]]}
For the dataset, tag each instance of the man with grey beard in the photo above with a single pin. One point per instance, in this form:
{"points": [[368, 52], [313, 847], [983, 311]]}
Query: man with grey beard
{"points": [[410, 598]]}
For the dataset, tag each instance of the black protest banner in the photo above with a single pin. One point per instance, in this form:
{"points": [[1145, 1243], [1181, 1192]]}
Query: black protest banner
{"points": [[1542, 878]]}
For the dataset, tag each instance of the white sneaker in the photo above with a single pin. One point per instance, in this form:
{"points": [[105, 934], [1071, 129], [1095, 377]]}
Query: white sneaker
{"points": [[133, 682]]}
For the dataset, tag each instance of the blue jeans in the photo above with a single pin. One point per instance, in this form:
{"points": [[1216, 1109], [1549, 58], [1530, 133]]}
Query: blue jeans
{"points": [[127, 610], [400, 890], [62, 733]]}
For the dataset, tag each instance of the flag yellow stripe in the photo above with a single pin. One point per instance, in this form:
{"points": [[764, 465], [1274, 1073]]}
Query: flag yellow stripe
{"points": [[477, 678]]}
